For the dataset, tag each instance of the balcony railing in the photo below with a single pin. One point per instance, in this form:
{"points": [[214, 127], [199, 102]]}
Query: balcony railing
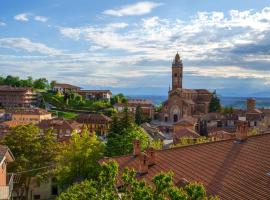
{"points": [[6, 191]]}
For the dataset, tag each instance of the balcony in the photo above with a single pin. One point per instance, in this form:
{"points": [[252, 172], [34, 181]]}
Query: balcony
{"points": [[6, 191]]}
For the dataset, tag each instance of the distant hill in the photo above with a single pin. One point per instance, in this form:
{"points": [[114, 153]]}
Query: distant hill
{"points": [[236, 102]]}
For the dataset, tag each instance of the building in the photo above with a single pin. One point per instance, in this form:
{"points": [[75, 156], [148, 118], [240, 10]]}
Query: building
{"points": [[252, 115], [33, 115], [231, 169], [183, 102], [98, 123], [153, 132], [147, 107], [184, 133], [63, 128], [96, 94], [64, 88], [44, 190], [17, 97], [6, 180]]}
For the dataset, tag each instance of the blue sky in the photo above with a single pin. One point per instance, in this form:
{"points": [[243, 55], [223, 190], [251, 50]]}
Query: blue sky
{"points": [[129, 45]]}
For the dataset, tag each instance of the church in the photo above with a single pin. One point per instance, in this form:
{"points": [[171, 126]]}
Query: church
{"points": [[183, 102]]}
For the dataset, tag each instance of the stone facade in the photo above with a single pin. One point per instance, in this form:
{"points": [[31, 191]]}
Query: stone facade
{"points": [[183, 102]]}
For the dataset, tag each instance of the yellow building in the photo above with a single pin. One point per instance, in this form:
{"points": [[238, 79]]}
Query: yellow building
{"points": [[30, 115], [97, 123]]}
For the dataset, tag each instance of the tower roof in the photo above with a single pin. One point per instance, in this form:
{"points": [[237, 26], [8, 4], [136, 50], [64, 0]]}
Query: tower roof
{"points": [[177, 59]]}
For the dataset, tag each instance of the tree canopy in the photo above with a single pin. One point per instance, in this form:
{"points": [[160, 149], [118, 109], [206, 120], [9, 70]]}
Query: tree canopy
{"points": [[78, 159], [214, 105], [138, 115], [31, 151], [105, 187], [15, 81], [122, 132]]}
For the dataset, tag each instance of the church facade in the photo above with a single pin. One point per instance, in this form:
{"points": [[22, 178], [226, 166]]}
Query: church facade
{"points": [[183, 102]]}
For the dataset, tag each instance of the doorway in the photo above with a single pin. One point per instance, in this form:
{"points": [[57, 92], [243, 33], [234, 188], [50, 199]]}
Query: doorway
{"points": [[175, 118]]}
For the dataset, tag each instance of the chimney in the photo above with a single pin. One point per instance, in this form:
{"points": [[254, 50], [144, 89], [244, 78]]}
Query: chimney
{"points": [[242, 130], [143, 166], [151, 154], [251, 104], [136, 147]]}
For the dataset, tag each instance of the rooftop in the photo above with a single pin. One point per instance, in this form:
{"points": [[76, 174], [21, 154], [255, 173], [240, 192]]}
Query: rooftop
{"points": [[93, 118], [7, 88], [227, 168], [65, 85], [33, 111]]}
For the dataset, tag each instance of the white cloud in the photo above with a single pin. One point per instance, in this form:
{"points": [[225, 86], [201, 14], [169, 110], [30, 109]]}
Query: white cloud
{"points": [[27, 45], [24, 17], [139, 8], [40, 18], [117, 25], [2, 23], [206, 41]]}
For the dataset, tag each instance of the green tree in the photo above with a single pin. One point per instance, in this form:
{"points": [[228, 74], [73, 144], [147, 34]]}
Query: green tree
{"points": [[119, 98], [52, 84], [12, 81], [138, 115], [32, 151], [105, 188], [214, 105], [79, 157], [126, 120], [121, 143], [41, 83]]}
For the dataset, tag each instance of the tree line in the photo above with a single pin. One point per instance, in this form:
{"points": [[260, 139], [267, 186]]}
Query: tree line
{"points": [[15, 81]]}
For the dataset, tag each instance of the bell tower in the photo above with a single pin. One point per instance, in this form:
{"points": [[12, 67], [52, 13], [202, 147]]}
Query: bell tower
{"points": [[177, 72]]}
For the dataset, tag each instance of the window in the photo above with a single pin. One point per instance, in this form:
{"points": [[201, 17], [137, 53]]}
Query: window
{"points": [[37, 196], [175, 74]]}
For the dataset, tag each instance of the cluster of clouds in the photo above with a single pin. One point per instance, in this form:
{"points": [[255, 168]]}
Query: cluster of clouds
{"points": [[25, 17], [212, 44]]}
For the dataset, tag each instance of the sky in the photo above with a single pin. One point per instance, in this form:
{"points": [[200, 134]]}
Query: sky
{"points": [[128, 46]]}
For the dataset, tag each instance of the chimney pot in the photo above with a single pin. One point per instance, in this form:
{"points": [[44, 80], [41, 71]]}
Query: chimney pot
{"points": [[151, 154], [143, 167], [136, 147]]}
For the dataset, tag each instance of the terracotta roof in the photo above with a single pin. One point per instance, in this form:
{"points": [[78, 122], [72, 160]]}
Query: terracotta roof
{"points": [[221, 134], [185, 132], [95, 91], [34, 111], [7, 88], [65, 85], [3, 152], [93, 118], [227, 129], [12, 123], [59, 124], [227, 168]]}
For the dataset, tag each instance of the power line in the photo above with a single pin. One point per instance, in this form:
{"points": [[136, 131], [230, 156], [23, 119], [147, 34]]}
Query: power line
{"points": [[35, 169]]}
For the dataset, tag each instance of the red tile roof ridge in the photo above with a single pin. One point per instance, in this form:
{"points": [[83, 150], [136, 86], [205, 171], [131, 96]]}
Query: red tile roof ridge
{"points": [[187, 146]]}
